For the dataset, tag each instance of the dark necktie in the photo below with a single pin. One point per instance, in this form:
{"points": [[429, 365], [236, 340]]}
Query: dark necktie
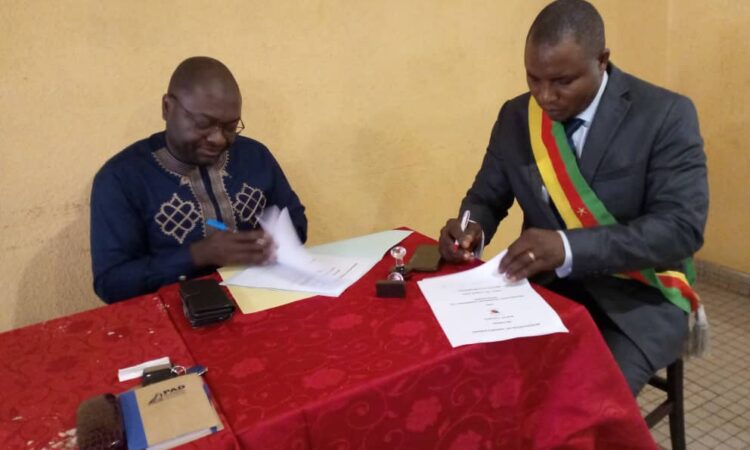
{"points": [[571, 125]]}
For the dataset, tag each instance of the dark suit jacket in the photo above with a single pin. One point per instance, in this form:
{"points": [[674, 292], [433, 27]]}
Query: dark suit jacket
{"points": [[644, 159]]}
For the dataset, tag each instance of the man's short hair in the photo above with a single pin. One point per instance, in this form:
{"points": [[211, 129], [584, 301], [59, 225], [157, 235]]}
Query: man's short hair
{"points": [[563, 18], [200, 70]]}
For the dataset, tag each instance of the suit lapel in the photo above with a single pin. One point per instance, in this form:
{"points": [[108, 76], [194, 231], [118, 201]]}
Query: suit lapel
{"points": [[612, 110]]}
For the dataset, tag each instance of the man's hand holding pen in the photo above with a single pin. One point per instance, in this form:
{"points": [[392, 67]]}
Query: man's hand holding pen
{"points": [[227, 248], [535, 251], [459, 238]]}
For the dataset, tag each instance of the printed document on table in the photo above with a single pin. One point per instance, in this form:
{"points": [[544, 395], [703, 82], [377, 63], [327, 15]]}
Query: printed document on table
{"points": [[373, 245], [480, 305], [317, 274], [297, 269]]}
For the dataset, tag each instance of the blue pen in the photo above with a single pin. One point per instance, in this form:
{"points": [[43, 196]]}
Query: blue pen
{"points": [[216, 224]]}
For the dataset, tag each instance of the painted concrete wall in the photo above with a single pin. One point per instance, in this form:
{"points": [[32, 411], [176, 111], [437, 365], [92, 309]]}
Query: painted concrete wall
{"points": [[708, 59]]}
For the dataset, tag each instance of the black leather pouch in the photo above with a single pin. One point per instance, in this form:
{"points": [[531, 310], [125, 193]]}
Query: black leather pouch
{"points": [[156, 374], [426, 258], [99, 424], [205, 302]]}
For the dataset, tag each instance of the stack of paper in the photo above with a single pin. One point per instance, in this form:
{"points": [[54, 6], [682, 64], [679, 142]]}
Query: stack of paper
{"points": [[299, 273]]}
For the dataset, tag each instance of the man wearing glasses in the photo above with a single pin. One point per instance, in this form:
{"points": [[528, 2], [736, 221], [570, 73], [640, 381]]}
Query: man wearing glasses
{"points": [[151, 203]]}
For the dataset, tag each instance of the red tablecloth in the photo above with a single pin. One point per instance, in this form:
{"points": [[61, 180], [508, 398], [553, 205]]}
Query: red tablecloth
{"points": [[47, 369], [364, 372]]}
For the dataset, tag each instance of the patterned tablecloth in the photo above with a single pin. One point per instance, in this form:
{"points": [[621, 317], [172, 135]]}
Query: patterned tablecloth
{"points": [[47, 369], [369, 373]]}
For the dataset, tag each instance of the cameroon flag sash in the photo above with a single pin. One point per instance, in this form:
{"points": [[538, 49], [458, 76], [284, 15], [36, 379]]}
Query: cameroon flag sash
{"points": [[579, 206]]}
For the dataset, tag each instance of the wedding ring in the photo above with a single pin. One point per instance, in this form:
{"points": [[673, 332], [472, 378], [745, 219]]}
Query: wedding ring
{"points": [[531, 256]]}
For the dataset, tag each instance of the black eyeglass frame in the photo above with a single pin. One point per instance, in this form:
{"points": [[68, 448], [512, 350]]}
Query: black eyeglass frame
{"points": [[214, 122]]}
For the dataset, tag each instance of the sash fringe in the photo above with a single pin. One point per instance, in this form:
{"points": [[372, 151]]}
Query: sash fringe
{"points": [[698, 339]]}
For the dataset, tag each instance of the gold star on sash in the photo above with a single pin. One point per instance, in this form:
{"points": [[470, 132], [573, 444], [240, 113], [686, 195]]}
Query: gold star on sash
{"points": [[581, 212]]}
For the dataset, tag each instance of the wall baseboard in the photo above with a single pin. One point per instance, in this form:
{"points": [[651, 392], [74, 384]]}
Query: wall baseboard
{"points": [[723, 277]]}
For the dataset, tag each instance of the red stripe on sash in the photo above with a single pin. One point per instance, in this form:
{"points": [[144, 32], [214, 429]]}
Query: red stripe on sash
{"points": [[576, 202]]}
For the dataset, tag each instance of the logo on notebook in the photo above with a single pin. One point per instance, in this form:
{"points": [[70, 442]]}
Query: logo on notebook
{"points": [[166, 394]]}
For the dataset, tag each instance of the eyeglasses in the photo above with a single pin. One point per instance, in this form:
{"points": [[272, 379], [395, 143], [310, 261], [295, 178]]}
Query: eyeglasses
{"points": [[204, 123]]}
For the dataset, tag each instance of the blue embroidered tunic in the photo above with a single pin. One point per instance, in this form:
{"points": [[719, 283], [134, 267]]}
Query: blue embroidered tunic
{"points": [[147, 207]]}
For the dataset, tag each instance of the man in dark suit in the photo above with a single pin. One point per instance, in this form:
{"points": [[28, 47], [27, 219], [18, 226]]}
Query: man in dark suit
{"points": [[639, 149]]}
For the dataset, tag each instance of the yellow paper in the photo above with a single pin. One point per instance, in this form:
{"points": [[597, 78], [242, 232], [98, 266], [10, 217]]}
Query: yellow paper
{"points": [[252, 300]]}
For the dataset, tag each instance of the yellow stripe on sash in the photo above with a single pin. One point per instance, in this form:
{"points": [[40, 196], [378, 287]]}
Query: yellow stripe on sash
{"points": [[545, 167]]}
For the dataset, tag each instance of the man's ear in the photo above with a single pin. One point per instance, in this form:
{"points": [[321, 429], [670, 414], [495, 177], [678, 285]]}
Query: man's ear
{"points": [[164, 106], [603, 60]]}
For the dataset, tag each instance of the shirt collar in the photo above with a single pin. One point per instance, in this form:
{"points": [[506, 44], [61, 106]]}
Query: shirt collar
{"points": [[168, 162], [587, 115]]}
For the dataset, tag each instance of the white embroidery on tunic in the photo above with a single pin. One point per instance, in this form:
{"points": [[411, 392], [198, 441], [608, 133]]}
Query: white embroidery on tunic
{"points": [[249, 203], [177, 218]]}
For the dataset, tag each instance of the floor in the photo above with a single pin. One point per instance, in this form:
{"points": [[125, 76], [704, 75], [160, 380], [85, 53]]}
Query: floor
{"points": [[717, 387]]}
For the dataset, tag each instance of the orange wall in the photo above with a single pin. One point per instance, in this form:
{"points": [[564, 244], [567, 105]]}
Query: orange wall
{"points": [[709, 60]]}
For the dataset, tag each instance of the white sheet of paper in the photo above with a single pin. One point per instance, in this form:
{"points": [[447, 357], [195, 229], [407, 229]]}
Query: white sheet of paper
{"points": [[480, 305], [289, 249], [296, 269]]}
